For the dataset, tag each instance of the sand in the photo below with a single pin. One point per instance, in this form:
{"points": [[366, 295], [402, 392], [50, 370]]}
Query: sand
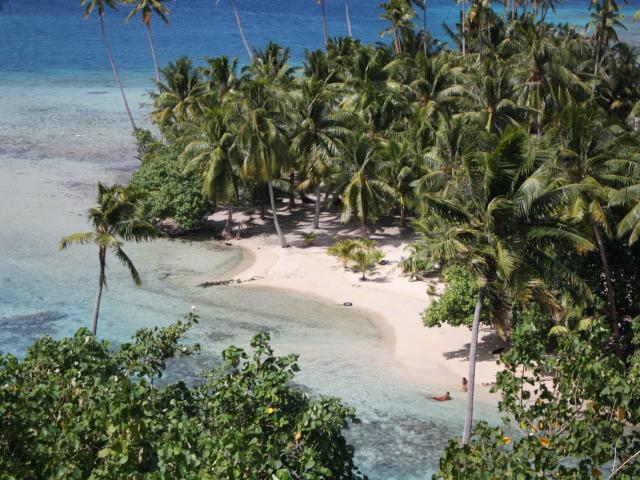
{"points": [[436, 356]]}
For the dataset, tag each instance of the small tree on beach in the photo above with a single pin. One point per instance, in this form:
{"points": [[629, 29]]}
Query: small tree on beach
{"points": [[365, 256], [146, 8], [342, 250], [100, 6], [114, 223]]}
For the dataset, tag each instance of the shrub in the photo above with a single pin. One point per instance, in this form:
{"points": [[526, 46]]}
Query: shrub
{"points": [[457, 303], [171, 193]]}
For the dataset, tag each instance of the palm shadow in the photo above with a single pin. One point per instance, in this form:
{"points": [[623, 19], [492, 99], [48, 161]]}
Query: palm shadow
{"points": [[489, 343]]}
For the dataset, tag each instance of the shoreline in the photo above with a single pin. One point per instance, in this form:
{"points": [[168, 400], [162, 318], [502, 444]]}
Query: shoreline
{"points": [[436, 357]]}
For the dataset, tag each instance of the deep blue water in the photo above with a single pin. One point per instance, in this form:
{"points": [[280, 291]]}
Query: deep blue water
{"points": [[51, 35]]}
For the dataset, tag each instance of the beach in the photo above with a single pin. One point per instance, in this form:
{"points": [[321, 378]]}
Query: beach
{"points": [[437, 357]]}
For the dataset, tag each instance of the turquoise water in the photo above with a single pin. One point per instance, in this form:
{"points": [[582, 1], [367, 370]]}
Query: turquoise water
{"points": [[62, 129]]}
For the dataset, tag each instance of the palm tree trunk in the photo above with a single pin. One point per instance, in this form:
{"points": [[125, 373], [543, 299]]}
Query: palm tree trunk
{"points": [[244, 38], [228, 228], [464, 28], [611, 297], [101, 281], [403, 213], [599, 45], [471, 376], [396, 39], [115, 72], [283, 240], [424, 27], [346, 11], [324, 23], [292, 192], [153, 52], [316, 215]]}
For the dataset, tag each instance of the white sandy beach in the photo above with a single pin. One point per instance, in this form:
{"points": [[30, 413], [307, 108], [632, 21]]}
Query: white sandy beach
{"points": [[432, 356]]}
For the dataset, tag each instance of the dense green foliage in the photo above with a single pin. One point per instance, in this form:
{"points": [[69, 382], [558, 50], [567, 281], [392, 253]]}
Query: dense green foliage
{"points": [[77, 408], [569, 413], [171, 192], [455, 306]]}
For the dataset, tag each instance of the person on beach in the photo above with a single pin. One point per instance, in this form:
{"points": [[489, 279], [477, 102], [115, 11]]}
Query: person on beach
{"points": [[442, 398], [465, 384]]}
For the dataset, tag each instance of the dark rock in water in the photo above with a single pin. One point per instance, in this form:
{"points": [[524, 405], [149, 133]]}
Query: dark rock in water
{"points": [[347, 304], [383, 262], [98, 92]]}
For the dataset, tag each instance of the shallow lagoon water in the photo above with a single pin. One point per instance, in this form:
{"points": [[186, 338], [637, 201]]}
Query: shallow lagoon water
{"points": [[62, 128]]}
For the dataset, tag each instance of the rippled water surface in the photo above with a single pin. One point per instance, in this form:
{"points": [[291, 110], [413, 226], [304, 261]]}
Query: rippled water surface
{"points": [[62, 129]]}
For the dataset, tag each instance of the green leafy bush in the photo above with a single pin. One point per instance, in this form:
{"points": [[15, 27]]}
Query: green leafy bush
{"points": [[171, 193], [573, 414], [76, 408], [457, 303]]}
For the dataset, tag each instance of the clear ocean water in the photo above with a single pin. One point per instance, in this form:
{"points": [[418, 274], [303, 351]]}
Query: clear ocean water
{"points": [[62, 129]]}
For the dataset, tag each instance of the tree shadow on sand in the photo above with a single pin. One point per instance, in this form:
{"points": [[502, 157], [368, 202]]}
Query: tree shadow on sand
{"points": [[489, 343]]}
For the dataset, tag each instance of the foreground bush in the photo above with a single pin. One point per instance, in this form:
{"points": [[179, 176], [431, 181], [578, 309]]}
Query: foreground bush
{"points": [[573, 414], [76, 408]]}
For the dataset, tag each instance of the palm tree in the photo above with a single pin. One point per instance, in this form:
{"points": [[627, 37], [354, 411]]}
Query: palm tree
{"points": [[234, 6], [399, 14], [220, 75], [361, 177], [501, 236], [489, 94], [604, 21], [114, 223], [210, 148], [630, 223], [100, 6], [259, 121], [588, 167], [146, 8], [348, 15], [316, 141], [179, 95], [324, 21]]}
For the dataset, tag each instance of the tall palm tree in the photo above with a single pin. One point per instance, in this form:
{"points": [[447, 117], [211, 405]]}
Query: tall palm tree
{"points": [[500, 236], [399, 14], [114, 223], [100, 6], [210, 148], [220, 75], [234, 7], [361, 177], [324, 20], [604, 20], [146, 8], [259, 119], [588, 166], [317, 138], [348, 15]]}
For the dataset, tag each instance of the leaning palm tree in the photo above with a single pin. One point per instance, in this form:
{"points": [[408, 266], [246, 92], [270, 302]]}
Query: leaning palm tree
{"points": [[100, 6], [146, 8], [113, 222], [348, 15], [324, 20], [234, 7], [501, 234]]}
